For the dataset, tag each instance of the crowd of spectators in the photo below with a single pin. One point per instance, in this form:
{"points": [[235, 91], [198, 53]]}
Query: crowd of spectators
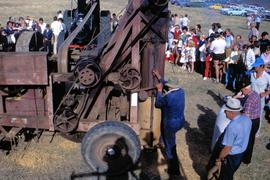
{"points": [[50, 32], [217, 54]]}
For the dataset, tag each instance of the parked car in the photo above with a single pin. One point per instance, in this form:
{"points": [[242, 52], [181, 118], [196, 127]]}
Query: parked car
{"points": [[236, 12], [266, 17], [180, 3], [250, 10], [265, 12], [258, 8], [224, 10], [216, 6]]}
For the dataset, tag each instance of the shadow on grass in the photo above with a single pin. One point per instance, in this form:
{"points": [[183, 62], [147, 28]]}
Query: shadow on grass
{"points": [[217, 97], [147, 169], [199, 140]]}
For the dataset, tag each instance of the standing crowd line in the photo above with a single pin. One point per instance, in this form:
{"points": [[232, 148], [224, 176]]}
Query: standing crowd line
{"points": [[243, 68]]}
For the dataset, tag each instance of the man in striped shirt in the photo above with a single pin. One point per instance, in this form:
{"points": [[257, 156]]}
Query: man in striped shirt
{"points": [[251, 108]]}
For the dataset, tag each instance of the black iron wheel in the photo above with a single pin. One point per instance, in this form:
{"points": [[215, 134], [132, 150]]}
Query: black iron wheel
{"points": [[111, 147], [66, 122], [88, 73]]}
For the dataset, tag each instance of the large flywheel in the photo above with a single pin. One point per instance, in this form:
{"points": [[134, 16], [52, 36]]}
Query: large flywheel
{"points": [[111, 147]]}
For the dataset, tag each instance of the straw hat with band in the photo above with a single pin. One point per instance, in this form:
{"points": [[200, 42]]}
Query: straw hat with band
{"points": [[233, 105]]}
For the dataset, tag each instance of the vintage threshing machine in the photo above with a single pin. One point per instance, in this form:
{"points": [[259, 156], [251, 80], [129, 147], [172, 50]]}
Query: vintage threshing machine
{"points": [[102, 92]]}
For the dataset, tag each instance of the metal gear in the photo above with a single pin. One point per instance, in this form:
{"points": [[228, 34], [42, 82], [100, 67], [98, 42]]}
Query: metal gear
{"points": [[67, 121], [130, 78]]}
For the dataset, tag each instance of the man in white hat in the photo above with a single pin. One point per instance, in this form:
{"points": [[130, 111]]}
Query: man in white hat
{"points": [[234, 141]]}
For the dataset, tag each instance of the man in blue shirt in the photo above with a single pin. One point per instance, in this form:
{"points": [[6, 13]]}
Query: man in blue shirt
{"points": [[47, 36], [235, 140], [172, 104]]}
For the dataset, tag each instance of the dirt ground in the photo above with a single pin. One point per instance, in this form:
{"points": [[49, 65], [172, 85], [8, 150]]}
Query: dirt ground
{"points": [[61, 159]]}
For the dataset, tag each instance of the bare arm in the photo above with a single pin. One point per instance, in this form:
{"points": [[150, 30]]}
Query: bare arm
{"points": [[224, 152]]}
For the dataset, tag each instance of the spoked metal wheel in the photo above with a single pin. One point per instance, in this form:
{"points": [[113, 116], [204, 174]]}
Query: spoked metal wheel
{"points": [[67, 121], [111, 148]]}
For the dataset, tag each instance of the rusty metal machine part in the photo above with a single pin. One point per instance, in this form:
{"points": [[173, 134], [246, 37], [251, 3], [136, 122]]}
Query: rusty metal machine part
{"points": [[29, 41], [63, 50], [130, 78], [100, 86], [67, 121], [89, 75]]}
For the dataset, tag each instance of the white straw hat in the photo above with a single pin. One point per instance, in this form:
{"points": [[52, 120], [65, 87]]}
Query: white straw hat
{"points": [[233, 105]]}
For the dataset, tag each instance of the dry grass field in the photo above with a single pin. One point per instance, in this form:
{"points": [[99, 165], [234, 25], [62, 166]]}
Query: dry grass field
{"points": [[46, 8], [57, 160]]}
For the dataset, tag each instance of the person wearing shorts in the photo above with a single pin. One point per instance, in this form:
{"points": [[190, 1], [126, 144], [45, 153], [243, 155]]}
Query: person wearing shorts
{"points": [[218, 55]]}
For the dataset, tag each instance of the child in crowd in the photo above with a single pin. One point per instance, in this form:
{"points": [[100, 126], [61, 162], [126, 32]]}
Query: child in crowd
{"points": [[208, 59], [202, 54], [176, 33], [190, 55], [175, 51], [169, 56], [182, 59], [179, 51]]}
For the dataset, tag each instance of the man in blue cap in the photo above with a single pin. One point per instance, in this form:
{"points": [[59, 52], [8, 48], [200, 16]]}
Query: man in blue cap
{"points": [[260, 81], [172, 104]]}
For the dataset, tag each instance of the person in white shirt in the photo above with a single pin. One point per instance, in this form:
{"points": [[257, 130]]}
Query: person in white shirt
{"points": [[60, 15], [221, 123], [185, 21], [42, 25], [249, 21], [258, 21], [190, 56], [212, 30], [29, 22], [56, 27], [266, 57], [253, 31], [218, 49], [260, 83], [62, 34], [250, 57], [176, 20], [181, 21]]}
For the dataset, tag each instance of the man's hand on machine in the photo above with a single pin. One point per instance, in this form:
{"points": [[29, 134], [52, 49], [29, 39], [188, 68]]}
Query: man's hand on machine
{"points": [[159, 87], [156, 73]]}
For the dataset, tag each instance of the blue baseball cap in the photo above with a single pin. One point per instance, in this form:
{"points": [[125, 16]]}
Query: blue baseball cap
{"points": [[259, 62]]}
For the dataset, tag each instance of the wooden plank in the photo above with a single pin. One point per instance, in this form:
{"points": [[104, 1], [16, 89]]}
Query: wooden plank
{"points": [[40, 122], [135, 62], [23, 68]]}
